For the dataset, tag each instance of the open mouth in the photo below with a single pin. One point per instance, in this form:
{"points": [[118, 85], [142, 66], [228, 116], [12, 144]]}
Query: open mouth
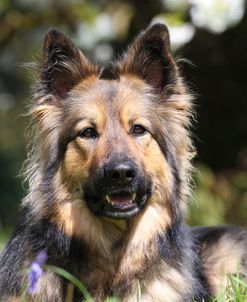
{"points": [[123, 204], [118, 205], [115, 193], [122, 201]]}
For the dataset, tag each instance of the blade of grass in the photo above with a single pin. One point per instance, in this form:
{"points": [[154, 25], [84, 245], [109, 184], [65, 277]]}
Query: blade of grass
{"points": [[238, 280], [138, 291], [72, 279]]}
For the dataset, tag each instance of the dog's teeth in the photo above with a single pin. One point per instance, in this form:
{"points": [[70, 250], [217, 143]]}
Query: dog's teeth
{"points": [[108, 199], [133, 196]]}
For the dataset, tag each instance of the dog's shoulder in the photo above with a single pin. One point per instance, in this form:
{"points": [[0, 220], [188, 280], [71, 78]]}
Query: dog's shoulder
{"points": [[222, 251]]}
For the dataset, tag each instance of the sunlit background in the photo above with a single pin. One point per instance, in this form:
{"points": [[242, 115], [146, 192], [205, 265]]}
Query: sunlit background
{"points": [[211, 35]]}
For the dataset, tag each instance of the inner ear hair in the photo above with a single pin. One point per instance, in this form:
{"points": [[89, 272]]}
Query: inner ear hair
{"points": [[149, 57], [64, 65]]}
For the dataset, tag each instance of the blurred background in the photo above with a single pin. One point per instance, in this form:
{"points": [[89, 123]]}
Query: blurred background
{"points": [[211, 34]]}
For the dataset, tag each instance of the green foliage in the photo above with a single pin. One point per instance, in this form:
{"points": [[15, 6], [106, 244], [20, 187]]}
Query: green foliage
{"points": [[236, 291], [218, 198]]}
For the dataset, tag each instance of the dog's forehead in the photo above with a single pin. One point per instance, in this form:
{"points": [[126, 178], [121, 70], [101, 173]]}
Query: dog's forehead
{"points": [[109, 97]]}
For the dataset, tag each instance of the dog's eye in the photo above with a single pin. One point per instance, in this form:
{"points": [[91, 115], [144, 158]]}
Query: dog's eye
{"points": [[88, 133], [138, 130]]}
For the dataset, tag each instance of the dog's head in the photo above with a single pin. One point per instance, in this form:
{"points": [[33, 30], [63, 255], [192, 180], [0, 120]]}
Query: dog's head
{"points": [[118, 143]]}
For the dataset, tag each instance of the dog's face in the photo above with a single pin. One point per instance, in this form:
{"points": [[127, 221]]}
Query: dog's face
{"points": [[107, 140], [109, 153]]}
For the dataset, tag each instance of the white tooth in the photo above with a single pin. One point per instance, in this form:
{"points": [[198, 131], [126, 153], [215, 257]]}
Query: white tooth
{"points": [[133, 196], [107, 197]]}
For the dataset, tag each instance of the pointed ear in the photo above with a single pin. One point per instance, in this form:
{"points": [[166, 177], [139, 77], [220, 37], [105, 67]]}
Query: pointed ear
{"points": [[149, 57], [63, 64]]}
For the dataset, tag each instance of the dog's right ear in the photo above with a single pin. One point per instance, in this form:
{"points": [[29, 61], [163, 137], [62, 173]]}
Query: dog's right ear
{"points": [[64, 65]]}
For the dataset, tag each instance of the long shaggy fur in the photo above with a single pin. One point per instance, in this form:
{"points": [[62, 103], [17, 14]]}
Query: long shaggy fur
{"points": [[109, 179]]}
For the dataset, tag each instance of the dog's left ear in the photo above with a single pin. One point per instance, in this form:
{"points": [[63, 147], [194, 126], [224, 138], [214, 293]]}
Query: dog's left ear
{"points": [[149, 57]]}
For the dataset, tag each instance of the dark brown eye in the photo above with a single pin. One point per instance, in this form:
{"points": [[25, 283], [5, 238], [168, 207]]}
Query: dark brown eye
{"points": [[138, 130], [88, 133]]}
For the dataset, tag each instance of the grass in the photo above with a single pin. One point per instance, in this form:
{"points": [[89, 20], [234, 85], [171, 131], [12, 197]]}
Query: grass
{"points": [[73, 280], [236, 289]]}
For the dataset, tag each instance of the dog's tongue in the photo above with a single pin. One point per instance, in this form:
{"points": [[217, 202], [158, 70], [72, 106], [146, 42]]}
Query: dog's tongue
{"points": [[121, 200]]}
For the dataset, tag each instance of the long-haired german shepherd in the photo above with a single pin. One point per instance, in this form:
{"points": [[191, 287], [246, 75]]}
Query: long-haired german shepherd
{"points": [[109, 180]]}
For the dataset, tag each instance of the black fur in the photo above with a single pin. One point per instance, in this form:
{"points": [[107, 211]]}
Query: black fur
{"points": [[177, 248]]}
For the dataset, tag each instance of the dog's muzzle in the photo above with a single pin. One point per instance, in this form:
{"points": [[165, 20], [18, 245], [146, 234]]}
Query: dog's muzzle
{"points": [[119, 191]]}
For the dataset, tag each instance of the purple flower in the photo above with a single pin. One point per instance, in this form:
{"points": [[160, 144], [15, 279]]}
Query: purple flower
{"points": [[36, 271]]}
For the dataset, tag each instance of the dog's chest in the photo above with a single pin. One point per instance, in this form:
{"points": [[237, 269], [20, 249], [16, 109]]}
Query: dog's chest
{"points": [[165, 286]]}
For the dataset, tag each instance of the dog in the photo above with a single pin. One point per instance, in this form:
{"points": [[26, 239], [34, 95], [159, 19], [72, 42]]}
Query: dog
{"points": [[109, 181]]}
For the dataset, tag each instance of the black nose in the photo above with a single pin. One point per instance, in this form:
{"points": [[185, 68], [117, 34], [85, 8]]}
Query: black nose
{"points": [[120, 172]]}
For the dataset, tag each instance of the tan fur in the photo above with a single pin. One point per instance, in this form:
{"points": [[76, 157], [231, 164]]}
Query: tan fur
{"points": [[51, 288], [12, 299], [150, 248], [221, 260], [169, 287], [121, 253], [72, 215], [75, 218]]}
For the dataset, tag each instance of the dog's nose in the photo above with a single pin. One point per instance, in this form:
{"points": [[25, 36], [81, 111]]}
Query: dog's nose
{"points": [[121, 173]]}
